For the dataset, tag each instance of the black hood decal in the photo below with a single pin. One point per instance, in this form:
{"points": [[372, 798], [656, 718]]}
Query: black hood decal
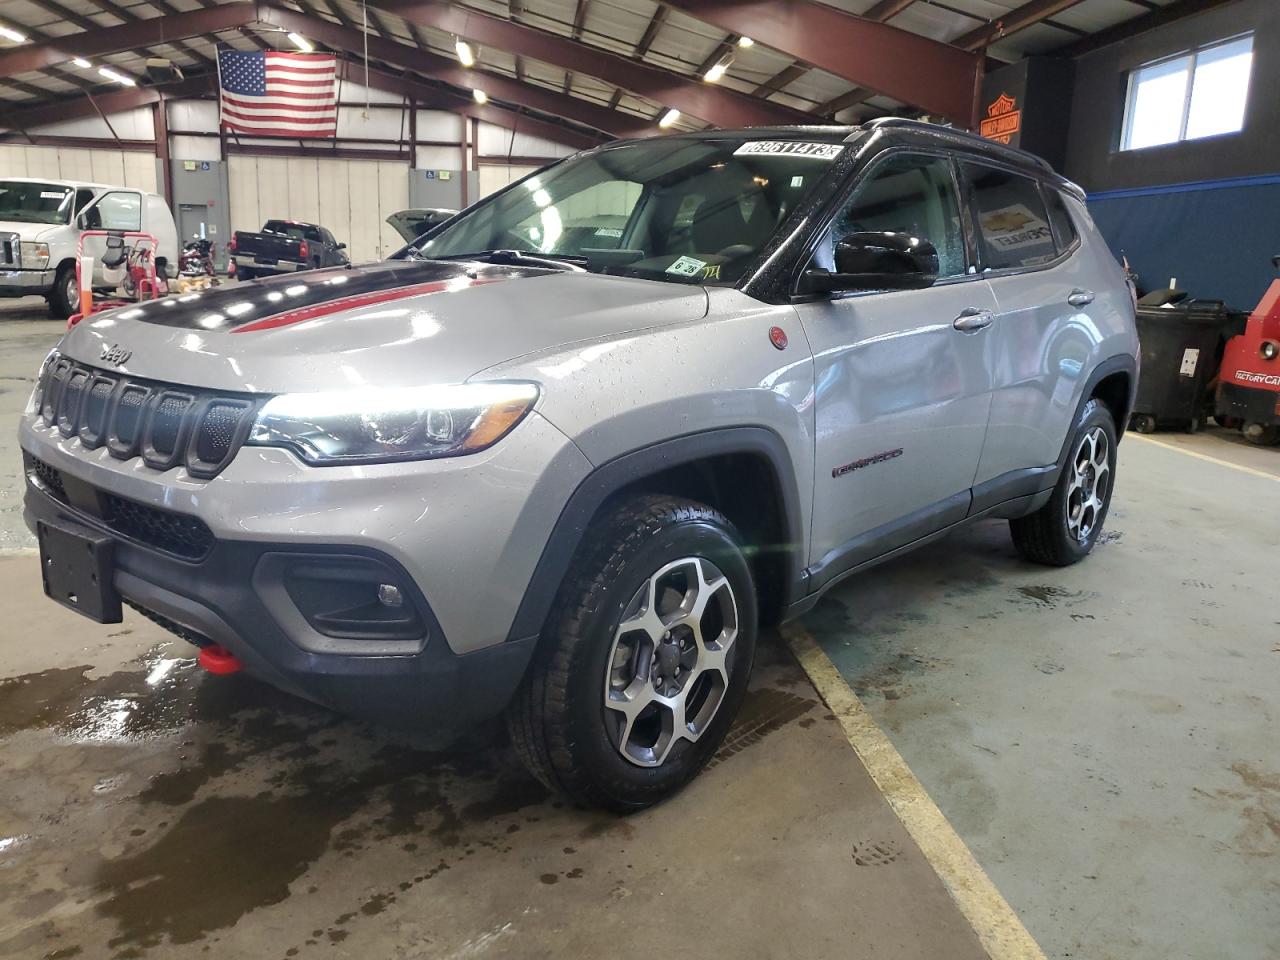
{"points": [[282, 300]]}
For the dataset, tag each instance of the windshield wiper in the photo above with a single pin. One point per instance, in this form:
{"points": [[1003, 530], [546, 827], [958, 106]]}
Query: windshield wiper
{"points": [[521, 258]]}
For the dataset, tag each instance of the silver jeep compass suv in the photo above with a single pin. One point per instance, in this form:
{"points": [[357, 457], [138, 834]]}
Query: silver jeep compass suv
{"points": [[565, 454]]}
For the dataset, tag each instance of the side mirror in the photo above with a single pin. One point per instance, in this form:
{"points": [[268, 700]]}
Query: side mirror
{"points": [[82, 222], [876, 261], [342, 246]]}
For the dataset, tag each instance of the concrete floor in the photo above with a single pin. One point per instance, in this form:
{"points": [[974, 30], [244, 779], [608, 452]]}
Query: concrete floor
{"points": [[1105, 738], [1102, 737]]}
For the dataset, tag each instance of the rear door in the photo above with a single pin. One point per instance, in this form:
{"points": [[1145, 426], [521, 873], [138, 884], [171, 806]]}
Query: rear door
{"points": [[902, 395], [1043, 334]]}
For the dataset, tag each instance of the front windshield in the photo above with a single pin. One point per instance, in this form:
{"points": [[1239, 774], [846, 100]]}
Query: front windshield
{"points": [[683, 210], [35, 202]]}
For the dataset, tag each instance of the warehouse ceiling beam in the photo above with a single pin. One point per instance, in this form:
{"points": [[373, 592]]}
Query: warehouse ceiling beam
{"points": [[934, 76], [445, 69], [116, 101], [106, 40], [690, 95], [1128, 29], [1027, 15]]}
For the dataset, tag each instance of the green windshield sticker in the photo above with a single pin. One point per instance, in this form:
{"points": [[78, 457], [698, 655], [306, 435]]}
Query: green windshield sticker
{"points": [[789, 148]]}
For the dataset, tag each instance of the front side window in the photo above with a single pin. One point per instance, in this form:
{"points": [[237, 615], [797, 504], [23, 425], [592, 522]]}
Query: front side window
{"points": [[1013, 225], [1197, 94], [117, 210], [910, 194], [674, 209], [28, 202]]}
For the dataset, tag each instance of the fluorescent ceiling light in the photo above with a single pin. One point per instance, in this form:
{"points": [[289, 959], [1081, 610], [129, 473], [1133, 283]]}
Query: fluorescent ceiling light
{"points": [[11, 34], [745, 42], [668, 118], [717, 69], [81, 62], [466, 56], [301, 42], [117, 77], [480, 95]]}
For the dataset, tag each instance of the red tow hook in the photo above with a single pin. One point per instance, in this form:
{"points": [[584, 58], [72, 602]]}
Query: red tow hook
{"points": [[219, 660]]}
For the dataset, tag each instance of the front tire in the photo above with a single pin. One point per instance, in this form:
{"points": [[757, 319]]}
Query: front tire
{"points": [[1064, 530], [64, 298], [645, 658]]}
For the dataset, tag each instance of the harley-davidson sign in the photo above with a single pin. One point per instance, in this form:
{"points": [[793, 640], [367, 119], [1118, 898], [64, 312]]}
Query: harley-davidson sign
{"points": [[1004, 119]]}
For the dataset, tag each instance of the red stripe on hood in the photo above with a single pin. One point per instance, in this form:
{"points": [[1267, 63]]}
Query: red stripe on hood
{"points": [[290, 317]]}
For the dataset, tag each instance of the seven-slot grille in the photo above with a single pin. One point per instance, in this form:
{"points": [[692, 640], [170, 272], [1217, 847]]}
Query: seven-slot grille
{"points": [[164, 424], [10, 250]]}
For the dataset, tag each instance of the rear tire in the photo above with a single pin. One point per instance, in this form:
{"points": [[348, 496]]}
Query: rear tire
{"points": [[622, 718], [1143, 423], [1064, 530], [64, 298], [1262, 435], [244, 273]]}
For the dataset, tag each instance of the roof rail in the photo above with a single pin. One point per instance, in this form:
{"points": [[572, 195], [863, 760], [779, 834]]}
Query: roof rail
{"points": [[957, 132]]}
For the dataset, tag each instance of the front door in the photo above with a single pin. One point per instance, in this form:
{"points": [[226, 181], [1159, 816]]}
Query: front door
{"points": [[902, 393]]}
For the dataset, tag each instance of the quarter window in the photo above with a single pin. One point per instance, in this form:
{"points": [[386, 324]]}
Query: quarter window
{"points": [[1201, 93], [1064, 228], [1013, 224], [908, 194]]}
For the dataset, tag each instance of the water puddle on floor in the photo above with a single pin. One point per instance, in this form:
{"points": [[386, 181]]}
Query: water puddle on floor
{"points": [[153, 806]]}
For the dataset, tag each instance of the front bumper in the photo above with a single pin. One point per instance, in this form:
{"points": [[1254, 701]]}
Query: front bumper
{"points": [[24, 283], [460, 537], [1250, 404]]}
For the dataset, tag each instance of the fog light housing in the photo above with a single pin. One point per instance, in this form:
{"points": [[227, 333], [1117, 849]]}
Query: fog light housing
{"points": [[349, 597]]}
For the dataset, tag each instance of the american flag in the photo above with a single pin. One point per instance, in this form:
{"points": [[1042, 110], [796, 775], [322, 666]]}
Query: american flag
{"points": [[278, 94]]}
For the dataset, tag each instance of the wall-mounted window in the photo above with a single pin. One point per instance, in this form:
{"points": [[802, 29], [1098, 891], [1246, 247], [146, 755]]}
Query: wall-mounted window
{"points": [[1197, 94]]}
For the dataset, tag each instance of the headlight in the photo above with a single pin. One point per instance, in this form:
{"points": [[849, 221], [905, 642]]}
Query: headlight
{"points": [[376, 425], [37, 394], [35, 255]]}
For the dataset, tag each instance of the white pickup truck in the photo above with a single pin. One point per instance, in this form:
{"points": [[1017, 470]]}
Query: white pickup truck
{"points": [[40, 226]]}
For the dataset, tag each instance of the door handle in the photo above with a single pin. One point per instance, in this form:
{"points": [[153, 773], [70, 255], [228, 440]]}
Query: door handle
{"points": [[1080, 298], [973, 319]]}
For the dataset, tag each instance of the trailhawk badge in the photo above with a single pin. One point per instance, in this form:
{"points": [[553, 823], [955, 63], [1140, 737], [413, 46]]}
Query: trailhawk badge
{"points": [[115, 354]]}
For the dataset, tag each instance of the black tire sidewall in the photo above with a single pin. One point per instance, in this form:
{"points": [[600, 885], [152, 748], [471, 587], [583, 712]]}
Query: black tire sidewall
{"points": [[1095, 414], [61, 303], [624, 783]]}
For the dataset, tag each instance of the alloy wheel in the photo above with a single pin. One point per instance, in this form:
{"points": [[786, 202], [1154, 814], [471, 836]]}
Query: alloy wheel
{"points": [[669, 667], [1089, 484]]}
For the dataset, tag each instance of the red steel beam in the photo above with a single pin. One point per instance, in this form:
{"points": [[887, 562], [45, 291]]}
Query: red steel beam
{"points": [[928, 74], [141, 33], [451, 72], [690, 95], [1027, 15], [53, 111]]}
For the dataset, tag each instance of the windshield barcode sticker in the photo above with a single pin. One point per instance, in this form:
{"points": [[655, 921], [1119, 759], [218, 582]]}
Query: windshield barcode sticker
{"points": [[53, 194], [789, 148]]}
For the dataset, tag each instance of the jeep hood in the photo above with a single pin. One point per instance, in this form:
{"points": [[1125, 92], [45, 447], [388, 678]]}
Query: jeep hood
{"points": [[396, 323]]}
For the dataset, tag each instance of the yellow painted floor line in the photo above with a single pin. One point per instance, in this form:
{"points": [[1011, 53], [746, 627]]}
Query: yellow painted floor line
{"points": [[1253, 471], [1001, 932]]}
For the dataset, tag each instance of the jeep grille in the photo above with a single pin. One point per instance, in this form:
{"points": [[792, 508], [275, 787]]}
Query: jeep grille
{"points": [[164, 424]]}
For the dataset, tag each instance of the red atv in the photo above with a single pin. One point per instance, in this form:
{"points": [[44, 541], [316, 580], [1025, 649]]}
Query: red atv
{"points": [[1249, 380]]}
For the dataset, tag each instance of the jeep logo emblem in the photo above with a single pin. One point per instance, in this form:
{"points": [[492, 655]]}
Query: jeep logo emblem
{"points": [[115, 354]]}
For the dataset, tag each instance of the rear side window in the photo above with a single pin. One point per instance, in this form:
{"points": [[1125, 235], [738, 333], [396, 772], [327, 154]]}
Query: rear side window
{"points": [[1064, 229], [1012, 221]]}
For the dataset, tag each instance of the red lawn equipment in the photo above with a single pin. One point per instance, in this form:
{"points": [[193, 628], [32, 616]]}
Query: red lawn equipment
{"points": [[128, 266], [1249, 381]]}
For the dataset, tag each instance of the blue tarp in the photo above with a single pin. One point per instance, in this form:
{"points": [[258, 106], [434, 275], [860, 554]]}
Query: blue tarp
{"points": [[1217, 237]]}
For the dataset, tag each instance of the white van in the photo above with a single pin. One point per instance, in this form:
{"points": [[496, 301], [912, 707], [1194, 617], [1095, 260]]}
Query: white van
{"points": [[40, 226]]}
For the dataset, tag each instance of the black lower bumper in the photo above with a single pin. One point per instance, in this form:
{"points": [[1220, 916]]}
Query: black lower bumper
{"points": [[245, 596], [1250, 404]]}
